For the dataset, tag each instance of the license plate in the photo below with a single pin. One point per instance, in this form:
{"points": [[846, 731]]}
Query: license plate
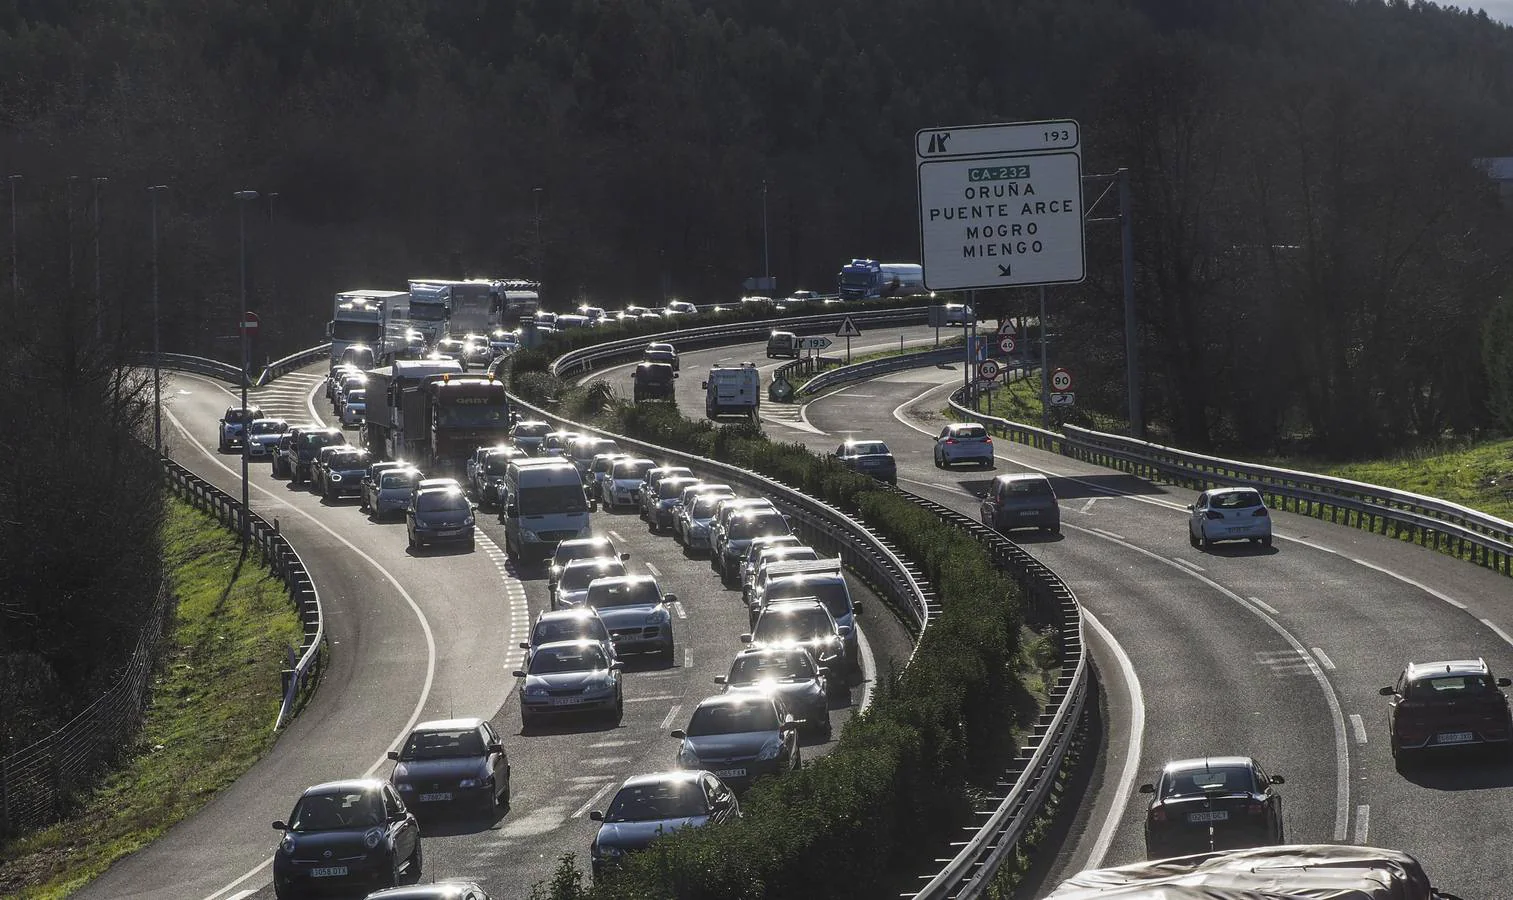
{"points": [[429, 798], [730, 773], [1029, 512], [448, 532], [1218, 815], [328, 872], [566, 701], [1454, 737]]}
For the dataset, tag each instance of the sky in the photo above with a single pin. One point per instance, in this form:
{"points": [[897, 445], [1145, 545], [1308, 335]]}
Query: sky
{"points": [[1501, 10]]}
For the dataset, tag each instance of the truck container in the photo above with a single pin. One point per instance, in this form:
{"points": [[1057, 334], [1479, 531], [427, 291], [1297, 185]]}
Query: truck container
{"points": [[868, 279], [429, 412]]}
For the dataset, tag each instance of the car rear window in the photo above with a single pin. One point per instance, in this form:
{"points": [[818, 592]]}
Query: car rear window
{"points": [[969, 431], [577, 575], [633, 469], [1449, 687], [1222, 779], [636, 593], [535, 429], [1028, 487], [797, 625], [1236, 500], [569, 550], [704, 506], [757, 526], [868, 448]]}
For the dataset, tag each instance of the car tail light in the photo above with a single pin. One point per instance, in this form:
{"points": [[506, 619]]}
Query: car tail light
{"points": [[987, 440], [1255, 809], [1211, 514], [950, 440], [1260, 513], [1158, 814]]}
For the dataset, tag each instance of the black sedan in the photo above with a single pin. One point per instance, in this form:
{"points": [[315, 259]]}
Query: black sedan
{"points": [[346, 835], [650, 806], [451, 763], [740, 737], [790, 672], [869, 458], [1214, 803]]}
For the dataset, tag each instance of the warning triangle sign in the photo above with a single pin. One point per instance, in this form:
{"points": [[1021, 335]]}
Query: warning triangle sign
{"points": [[849, 329]]}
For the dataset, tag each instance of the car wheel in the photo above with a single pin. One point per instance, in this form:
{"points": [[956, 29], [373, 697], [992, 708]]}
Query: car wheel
{"points": [[619, 709], [504, 798], [651, 525], [284, 892], [1266, 542], [669, 655], [798, 759], [417, 862], [1192, 539], [827, 728], [1205, 543], [938, 463], [413, 545]]}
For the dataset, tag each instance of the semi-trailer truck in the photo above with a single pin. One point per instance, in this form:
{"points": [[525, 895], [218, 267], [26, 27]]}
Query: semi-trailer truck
{"points": [[868, 279], [357, 317], [427, 411]]}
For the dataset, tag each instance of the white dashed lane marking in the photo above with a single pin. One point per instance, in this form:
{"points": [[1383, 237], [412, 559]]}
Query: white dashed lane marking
{"points": [[1358, 725]]}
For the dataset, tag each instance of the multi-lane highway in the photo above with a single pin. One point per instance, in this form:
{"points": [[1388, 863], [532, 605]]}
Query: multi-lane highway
{"points": [[434, 635], [1276, 653]]}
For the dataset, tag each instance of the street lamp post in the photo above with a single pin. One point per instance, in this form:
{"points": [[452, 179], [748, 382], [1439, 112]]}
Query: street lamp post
{"points": [[99, 296], [246, 351], [15, 264], [766, 260], [157, 349], [273, 247], [69, 193]]}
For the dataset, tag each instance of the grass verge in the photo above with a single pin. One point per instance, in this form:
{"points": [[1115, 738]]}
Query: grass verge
{"points": [[1477, 475], [209, 718]]}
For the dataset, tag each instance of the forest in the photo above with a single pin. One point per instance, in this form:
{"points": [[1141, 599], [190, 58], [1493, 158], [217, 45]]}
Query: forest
{"points": [[1320, 265]]}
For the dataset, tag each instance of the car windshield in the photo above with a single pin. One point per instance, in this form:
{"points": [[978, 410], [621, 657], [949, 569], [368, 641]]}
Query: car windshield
{"points": [[867, 448], [441, 501], [320, 439], [732, 718], [792, 625], [472, 411], [397, 480], [770, 666], [497, 464], [348, 461], [336, 811], [636, 469], [568, 551], [238, 416], [552, 498], [577, 658], [668, 488], [266, 427], [357, 396], [569, 629], [1235, 500], [1450, 687], [1222, 779], [1029, 487], [831, 593], [664, 800], [757, 526], [703, 508], [577, 577], [531, 429], [452, 744], [624, 593]]}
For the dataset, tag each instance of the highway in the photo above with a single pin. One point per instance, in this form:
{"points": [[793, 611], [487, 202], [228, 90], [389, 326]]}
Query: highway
{"points": [[414, 638], [1276, 654]]}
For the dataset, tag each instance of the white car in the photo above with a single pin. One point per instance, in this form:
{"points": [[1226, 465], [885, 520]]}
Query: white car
{"points": [[262, 434], [623, 487], [1229, 514], [959, 314], [963, 442], [354, 410], [679, 308]]}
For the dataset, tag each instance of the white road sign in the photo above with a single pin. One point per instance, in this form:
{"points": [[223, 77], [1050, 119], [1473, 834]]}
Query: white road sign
{"points": [[988, 369], [1006, 344], [985, 384], [1063, 398], [813, 343], [848, 329], [1000, 205], [1061, 380]]}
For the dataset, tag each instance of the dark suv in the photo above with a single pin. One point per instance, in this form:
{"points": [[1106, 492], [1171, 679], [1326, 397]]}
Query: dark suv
{"points": [[308, 445], [342, 472], [1440, 705], [284, 451], [1021, 500], [653, 381]]}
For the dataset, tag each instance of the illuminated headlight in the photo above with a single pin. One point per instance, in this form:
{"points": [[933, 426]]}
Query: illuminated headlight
{"points": [[688, 757], [769, 750], [468, 521], [373, 837], [335, 477], [287, 844]]}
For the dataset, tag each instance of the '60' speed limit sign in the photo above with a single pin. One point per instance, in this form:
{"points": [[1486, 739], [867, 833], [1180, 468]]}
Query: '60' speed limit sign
{"points": [[1061, 380]]}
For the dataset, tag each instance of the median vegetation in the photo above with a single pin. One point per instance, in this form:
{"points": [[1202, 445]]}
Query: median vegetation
{"points": [[849, 824], [209, 715]]}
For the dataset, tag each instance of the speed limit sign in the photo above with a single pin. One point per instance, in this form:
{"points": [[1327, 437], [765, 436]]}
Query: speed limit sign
{"points": [[988, 369], [1061, 380], [1006, 343]]}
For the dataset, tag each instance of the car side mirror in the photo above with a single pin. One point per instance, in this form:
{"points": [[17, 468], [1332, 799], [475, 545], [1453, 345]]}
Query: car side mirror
{"points": [[745, 638], [704, 386], [675, 374], [790, 726], [1277, 779], [843, 630], [1388, 692], [496, 747], [518, 673], [393, 754], [625, 557], [678, 733], [525, 645], [1192, 506], [822, 670], [596, 816], [280, 826], [1147, 788], [1505, 682], [721, 679], [669, 598], [512, 511]]}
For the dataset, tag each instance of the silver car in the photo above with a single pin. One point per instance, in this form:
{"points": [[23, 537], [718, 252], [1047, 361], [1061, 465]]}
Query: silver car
{"points": [[570, 677], [624, 484], [262, 434], [557, 625], [695, 513], [388, 490], [636, 611], [571, 588], [963, 442], [740, 737], [1229, 514], [791, 673], [662, 501], [579, 548]]}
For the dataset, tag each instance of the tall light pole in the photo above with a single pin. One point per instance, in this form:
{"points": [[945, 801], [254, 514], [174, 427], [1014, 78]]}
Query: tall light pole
{"points": [[540, 261], [69, 194], [273, 255], [241, 325], [157, 350], [766, 266], [99, 296], [15, 264]]}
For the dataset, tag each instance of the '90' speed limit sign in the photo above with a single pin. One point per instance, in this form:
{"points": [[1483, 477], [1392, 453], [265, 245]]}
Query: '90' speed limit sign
{"points": [[1061, 380]]}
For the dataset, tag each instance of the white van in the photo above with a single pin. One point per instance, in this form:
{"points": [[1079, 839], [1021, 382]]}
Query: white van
{"points": [[544, 505], [732, 390]]}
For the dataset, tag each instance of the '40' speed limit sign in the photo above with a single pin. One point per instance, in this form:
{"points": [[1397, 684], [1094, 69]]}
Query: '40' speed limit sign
{"points": [[1061, 380]]}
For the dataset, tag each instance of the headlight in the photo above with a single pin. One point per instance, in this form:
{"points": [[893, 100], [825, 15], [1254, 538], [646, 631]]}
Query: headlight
{"points": [[658, 616], [287, 844], [605, 852], [769, 750], [468, 521], [373, 837], [688, 757], [535, 690], [405, 787], [468, 783], [335, 477]]}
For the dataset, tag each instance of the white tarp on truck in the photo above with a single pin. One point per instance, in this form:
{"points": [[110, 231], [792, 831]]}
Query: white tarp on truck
{"points": [[1296, 872]]}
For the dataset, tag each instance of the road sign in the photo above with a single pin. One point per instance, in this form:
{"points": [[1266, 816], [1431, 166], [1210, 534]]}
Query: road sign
{"points": [[1000, 205], [988, 369], [1005, 326], [1063, 398], [985, 384], [1061, 380], [249, 323], [1006, 343], [813, 343], [848, 329]]}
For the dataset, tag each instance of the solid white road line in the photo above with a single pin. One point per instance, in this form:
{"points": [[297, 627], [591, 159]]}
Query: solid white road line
{"points": [[1358, 725], [672, 714], [869, 670], [651, 699], [677, 607], [1266, 606], [616, 535], [425, 625], [1498, 631], [1191, 565], [652, 568], [582, 811], [1107, 533], [687, 658], [1132, 746], [1324, 660], [1406, 580], [1362, 824]]}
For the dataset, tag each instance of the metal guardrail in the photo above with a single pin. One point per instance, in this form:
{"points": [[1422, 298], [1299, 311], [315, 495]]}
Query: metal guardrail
{"points": [[875, 367], [824, 527], [285, 562], [1450, 527], [585, 359], [183, 362], [293, 361]]}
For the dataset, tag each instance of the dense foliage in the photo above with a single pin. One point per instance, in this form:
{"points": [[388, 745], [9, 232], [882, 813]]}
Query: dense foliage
{"points": [[1316, 254], [848, 825]]}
